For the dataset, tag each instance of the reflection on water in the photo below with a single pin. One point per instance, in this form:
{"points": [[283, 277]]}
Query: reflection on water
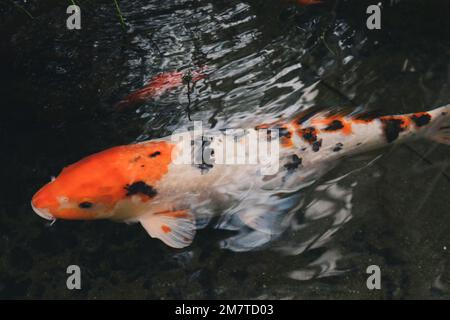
{"points": [[263, 60], [324, 266]]}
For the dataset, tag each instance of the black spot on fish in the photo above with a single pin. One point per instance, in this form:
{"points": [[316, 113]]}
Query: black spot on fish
{"points": [[392, 128], [296, 162], [334, 125], [140, 187], [154, 154], [338, 147], [316, 145], [359, 143], [284, 132], [309, 134], [421, 119], [443, 113], [85, 205]]}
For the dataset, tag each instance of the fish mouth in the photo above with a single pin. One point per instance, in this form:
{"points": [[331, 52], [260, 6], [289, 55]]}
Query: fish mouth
{"points": [[42, 213]]}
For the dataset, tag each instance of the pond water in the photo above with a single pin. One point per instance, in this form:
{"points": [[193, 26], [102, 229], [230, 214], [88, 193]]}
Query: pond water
{"points": [[262, 60]]}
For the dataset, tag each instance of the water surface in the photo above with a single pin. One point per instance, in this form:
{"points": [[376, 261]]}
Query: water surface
{"points": [[264, 59]]}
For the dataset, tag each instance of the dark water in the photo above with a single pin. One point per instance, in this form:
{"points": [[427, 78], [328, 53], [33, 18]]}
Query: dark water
{"points": [[264, 59]]}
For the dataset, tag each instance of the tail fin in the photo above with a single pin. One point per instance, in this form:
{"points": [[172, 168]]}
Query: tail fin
{"points": [[439, 130]]}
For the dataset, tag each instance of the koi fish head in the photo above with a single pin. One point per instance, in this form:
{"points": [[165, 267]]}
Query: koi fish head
{"points": [[96, 186]]}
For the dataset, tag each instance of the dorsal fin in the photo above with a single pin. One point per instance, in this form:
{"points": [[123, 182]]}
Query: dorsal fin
{"points": [[323, 112]]}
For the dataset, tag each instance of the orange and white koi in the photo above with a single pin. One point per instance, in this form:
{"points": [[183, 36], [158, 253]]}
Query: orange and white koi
{"points": [[143, 183]]}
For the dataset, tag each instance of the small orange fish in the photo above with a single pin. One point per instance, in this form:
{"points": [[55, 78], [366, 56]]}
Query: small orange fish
{"points": [[145, 183], [159, 84]]}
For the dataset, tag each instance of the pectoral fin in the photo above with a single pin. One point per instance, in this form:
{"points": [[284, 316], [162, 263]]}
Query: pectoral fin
{"points": [[174, 228]]}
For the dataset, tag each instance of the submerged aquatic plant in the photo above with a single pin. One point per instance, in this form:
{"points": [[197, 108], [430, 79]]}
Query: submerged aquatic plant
{"points": [[119, 14], [22, 9]]}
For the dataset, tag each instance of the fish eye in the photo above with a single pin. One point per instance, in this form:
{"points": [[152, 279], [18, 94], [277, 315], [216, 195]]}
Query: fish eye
{"points": [[85, 205]]}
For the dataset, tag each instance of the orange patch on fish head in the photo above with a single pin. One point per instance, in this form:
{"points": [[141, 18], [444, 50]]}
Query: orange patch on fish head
{"points": [[92, 187]]}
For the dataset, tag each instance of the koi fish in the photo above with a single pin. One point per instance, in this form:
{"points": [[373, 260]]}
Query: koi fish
{"points": [[159, 84], [144, 183]]}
